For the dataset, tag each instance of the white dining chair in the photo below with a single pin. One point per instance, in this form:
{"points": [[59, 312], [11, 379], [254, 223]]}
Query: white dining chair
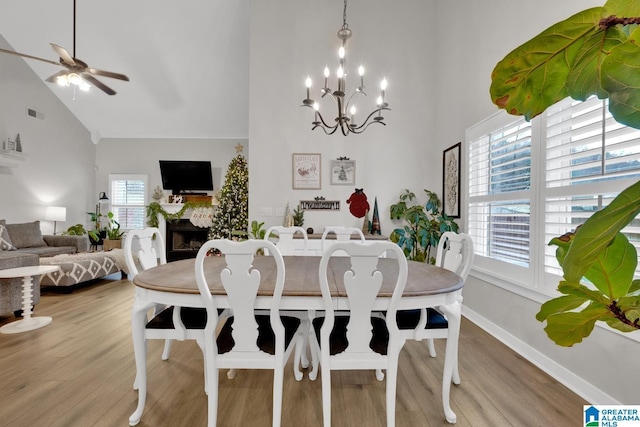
{"points": [[341, 234], [246, 340], [360, 340], [144, 249], [284, 241], [455, 253]]}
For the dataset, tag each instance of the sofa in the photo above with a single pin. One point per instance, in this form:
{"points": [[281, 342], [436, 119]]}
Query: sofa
{"points": [[22, 245]]}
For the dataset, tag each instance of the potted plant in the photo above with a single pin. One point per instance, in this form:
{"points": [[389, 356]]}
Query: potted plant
{"points": [[424, 224], [594, 52], [113, 238]]}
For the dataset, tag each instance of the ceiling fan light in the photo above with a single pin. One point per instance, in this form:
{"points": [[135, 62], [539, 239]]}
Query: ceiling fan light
{"points": [[75, 79], [63, 80], [84, 86]]}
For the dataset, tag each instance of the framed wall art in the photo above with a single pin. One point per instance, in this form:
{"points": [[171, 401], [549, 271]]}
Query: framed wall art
{"points": [[343, 172], [306, 171], [451, 181]]}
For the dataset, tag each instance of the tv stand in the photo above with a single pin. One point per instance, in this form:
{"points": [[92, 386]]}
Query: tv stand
{"points": [[185, 193]]}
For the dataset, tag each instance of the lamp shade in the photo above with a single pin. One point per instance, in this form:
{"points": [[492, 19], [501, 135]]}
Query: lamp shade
{"points": [[55, 213]]}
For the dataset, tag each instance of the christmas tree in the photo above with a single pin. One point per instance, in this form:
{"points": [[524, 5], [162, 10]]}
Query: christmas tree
{"points": [[233, 207]]}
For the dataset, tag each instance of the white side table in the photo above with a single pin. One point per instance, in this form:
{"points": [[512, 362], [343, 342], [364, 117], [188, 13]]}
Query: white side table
{"points": [[27, 323]]}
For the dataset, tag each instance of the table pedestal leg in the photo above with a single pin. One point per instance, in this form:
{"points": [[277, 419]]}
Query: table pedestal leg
{"points": [[27, 323]]}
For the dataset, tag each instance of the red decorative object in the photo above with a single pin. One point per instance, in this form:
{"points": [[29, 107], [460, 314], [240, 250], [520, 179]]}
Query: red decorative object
{"points": [[358, 204]]}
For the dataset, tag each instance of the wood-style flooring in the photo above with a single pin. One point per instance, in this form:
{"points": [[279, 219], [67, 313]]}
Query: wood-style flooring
{"points": [[79, 371]]}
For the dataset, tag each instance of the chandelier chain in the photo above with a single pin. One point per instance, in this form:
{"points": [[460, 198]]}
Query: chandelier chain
{"points": [[344, 16]]}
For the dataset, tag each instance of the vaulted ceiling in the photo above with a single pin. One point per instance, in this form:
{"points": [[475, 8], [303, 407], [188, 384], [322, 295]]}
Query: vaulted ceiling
{"points": [[188, 62]]}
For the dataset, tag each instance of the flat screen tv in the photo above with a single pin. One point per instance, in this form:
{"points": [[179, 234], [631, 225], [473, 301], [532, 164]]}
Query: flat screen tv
{"points": [[184, 176]]}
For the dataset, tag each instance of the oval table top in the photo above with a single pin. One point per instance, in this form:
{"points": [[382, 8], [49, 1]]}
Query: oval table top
{"points": [[301, 277]]}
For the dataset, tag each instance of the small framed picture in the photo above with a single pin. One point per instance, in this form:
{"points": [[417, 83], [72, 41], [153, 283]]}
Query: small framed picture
{"points": [[306, 171], [10, 145], [343, 172], [451, 181]]}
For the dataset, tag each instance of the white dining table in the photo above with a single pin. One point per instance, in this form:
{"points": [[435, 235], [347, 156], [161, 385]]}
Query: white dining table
{"points": [[175, 284]]}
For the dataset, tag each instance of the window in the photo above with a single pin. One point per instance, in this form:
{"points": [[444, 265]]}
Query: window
{"points": [[530, 182], [128, 198]]}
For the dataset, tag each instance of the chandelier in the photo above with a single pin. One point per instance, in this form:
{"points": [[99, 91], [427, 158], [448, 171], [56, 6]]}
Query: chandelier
{"points": [[346, 119]]}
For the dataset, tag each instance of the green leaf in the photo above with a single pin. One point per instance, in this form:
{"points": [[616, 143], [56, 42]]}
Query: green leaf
{"points": [[630, 305], [613, 271], [579, 290], [598, 231], [559, 305], [584, 77], [635, 286], [567, 329], [620, 79], [626, 8], [532, 77]]}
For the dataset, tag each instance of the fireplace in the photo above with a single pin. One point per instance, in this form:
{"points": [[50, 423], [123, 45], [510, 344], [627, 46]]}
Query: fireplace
{"points": [[184, 239]]}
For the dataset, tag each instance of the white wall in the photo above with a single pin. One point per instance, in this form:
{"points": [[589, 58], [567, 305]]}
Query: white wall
{"points": [[292, 39], [471, 38], [140, 156], [58, 169]]}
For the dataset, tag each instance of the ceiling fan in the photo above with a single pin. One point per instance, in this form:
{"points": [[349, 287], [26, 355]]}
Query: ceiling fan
{"points": [[76, 72]]}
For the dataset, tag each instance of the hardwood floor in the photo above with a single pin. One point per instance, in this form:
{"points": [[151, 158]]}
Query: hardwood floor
{"points": [[79, 371]]}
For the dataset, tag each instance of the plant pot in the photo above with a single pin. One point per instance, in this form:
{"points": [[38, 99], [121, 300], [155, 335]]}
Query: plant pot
{"points": [[109, 244]]}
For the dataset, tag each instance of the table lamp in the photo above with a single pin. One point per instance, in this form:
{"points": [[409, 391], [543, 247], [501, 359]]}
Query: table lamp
{"points": [[55, 213]]}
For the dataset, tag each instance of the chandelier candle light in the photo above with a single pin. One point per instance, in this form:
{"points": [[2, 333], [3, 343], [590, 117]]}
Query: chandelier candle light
{"points": [[346, 120]]}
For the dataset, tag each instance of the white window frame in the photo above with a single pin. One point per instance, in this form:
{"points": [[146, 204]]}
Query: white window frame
{"points": [[535, 281], [129, 177]]}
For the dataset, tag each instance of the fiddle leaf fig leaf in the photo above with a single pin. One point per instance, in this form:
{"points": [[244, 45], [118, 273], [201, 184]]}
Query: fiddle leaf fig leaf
{"points": [[630, 306], [635, 286], [613, 271], [584, 77], [532, 77], [621, 8], [582, 291], [620, 79], [559, 305], [567, 329], [598, 231]]}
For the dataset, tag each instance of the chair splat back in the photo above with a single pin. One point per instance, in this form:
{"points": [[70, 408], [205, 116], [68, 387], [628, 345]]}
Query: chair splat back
{"points": [[148, 246], [285, 238], [455, 253]]}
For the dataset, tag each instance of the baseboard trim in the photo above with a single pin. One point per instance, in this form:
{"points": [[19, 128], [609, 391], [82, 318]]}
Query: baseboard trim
{"points": [[567, 378]]}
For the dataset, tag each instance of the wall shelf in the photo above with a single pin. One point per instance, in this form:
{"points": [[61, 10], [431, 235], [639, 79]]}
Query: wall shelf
{"points": [[10, 159]]}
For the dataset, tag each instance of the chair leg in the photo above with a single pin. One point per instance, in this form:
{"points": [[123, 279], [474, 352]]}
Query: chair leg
{"points": [[211, 382], [278, 378], [167, 349], [326, 397], [315, 358], [392, 375], [453, 313], [432, 347], [297, 357]]}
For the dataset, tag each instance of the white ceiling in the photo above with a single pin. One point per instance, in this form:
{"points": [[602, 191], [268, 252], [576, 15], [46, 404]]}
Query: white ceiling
{"points": [[188, 62]]}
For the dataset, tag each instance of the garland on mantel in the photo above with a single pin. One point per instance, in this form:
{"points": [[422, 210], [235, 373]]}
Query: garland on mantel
{"points": [[154, 208]]}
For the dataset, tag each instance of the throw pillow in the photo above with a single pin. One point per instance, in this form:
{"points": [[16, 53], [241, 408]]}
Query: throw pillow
{"points": [[5, 240], [26, 235]]}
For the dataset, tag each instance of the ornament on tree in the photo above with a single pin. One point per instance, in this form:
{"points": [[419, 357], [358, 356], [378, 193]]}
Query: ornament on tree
{"points": [[358, 204]]}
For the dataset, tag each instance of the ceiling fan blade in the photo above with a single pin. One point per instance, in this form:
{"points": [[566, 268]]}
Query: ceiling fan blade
{"points": [[28, 56], [107, 74], [97, 83], [54, 78], [64, 55]]}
